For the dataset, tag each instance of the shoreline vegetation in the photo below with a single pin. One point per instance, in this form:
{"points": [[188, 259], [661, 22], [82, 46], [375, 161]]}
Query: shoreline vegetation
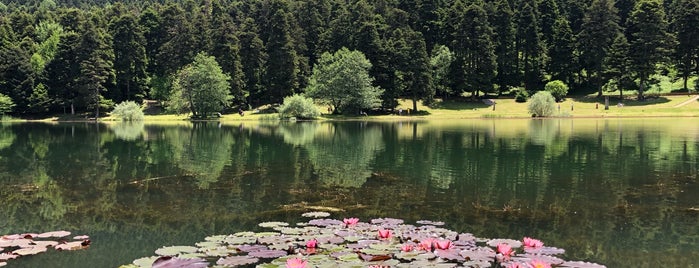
{"points": [[678, 105]]}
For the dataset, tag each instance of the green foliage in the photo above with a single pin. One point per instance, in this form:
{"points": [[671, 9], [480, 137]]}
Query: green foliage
{"points": [[542, 104], [521, 94], [299, 107], [128, 111], [649, 42], [6, 104], [342, 80], [200, 88], [557, 88], [440, 62], [599, 29]]}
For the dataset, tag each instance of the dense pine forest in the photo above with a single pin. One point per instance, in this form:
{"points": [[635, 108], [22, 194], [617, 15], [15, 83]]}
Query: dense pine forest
{"points": [[71, 56]]}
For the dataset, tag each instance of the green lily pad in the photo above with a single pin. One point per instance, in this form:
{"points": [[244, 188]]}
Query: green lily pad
{"points": [[145, 262], [272, 224], [174, 250], [216, 238]]}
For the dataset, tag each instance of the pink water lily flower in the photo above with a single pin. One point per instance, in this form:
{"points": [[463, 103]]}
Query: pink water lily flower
{"points": [[426, 244], [442, 244], [313, 243], [516, 265], [385, 234], [407, 248], [532, 243], [350, 221], [296, 263], [505, 250], [540, 264]]}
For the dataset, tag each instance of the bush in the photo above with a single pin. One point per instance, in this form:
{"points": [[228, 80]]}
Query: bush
{"points": [[298, 106], [6, 104], [521, 94], [128, 111], [542, 104], [557, 88]]}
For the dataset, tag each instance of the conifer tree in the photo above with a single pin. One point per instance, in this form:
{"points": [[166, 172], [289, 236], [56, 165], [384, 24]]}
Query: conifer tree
{"points": [[650, 41], [600, 27]]}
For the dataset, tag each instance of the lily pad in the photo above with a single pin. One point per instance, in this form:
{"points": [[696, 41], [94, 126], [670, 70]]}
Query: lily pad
{"points": [[45, 243], [240, 240], [81, 237], [172, 262], [545, 250], [7, 256], [272, 224], [511, 242], [29, 251], [57, 234], [267, 254], [428, 222], [145, 261], [316, 214], [174, 250], [580, 264], [325, 222], [77, 245], [237, 261]]}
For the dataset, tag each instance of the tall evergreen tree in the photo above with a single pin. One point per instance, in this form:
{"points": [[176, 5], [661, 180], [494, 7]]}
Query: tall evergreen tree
{"points": [[529, 47], [504, 37], [413, 72], [616, 64], [281, 73], [226, 49], [96, 67], [561, 59], [130, 60], [599, 29], [686, 28], [253, 60], [650, 41], [475, 50]]}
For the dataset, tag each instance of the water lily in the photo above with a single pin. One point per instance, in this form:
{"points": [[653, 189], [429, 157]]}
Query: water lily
{"points": [[313, 243], [385, 234], [407, 248], [350, 221], [426, 244], [442, 244], [540, 264], [296, 263], [516, 265], [505, 250], [532, 243]]}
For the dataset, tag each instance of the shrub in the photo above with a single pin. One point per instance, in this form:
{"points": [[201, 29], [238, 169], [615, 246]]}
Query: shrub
{"points": [[542, 104], [521, 94], [128, 111], [557, 88], [298, 106], [6, 104]]}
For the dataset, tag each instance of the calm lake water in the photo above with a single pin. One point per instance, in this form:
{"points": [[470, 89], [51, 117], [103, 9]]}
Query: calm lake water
{"points": [[621, 192]]}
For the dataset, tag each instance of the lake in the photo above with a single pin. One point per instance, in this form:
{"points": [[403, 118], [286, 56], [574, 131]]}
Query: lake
{"points": [[620, 192]]}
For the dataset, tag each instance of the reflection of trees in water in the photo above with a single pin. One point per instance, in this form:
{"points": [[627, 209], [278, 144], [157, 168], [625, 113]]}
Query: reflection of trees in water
{"points": [[298, 133], [202, 151], [7, 137], [128, 131], [342, 155]]}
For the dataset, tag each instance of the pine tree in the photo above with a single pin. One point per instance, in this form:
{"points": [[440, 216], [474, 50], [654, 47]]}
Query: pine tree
{"points": [[599, 29], [253, 60], [562, 61], [686, 28], [505, 51], [281, 73], [616, 64], [413, 72], [130, 60], [650, 40], [529, 46], [226, 49], [475, 50]]}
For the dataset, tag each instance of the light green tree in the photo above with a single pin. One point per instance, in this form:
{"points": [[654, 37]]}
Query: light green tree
{"points": [[557, 88], [6, 104], [200, 88], [128, 111], [298, 106], [342, 80], [542, 104]]}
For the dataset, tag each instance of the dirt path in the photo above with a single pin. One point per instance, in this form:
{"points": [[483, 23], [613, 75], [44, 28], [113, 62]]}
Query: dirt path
{"points": [[687, 102]]}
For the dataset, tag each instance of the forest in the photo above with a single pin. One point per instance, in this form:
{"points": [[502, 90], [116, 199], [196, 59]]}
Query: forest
{"points": [[75, 56]]}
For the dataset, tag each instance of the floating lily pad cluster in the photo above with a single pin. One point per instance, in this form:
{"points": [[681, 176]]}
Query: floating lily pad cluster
{"points": [[14, 246], [323, 242]]}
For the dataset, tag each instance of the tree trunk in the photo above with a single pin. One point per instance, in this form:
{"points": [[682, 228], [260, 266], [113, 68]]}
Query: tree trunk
{"points": [[414, 104], [641, 88]]}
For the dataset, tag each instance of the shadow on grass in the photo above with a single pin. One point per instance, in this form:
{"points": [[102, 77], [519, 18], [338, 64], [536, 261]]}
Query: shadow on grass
{"points": [[458, 105], [614, 100]]}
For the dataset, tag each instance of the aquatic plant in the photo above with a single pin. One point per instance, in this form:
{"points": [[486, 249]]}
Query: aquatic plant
{"points": [[13, 246], [350, 243]]}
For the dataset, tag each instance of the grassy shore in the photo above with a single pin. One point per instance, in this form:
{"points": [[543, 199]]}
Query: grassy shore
{"points": [[574, 107]]}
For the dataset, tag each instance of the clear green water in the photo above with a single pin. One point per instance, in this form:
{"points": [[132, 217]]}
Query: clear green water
{"points": [[616, 191]]}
